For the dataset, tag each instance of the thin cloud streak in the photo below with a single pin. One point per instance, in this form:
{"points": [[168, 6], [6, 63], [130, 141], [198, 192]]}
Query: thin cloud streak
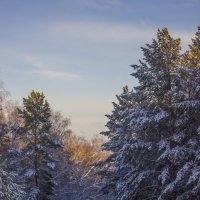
{"points": [[101, 5], [99, 32], [57, 74], [46, 70], [107, 32]]}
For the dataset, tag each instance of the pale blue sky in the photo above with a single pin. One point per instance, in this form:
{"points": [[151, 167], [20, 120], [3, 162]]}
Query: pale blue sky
{"points": [[78, 52]]}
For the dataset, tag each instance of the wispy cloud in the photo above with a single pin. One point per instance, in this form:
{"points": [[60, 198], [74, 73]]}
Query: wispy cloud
{"points": [[101, 5], [109, 33], [49, 71], [100, 32], [57, 74]]}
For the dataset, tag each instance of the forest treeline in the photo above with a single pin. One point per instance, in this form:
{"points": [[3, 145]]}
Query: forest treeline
{"points": [[152, 149], [40, 157]]}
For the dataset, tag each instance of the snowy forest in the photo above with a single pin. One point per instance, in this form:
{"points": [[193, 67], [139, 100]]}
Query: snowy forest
{"points": [[149, 151]]}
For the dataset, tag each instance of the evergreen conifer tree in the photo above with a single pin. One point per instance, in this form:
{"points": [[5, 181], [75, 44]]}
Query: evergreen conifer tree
{"points": [[162, 156], [150, 120], [9, 187], [118, 134], [184, 151], [38, 146]]}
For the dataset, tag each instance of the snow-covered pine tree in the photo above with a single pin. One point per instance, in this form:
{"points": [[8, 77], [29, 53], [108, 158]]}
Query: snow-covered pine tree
{"points": [[119, 135], [181, 150], [164, 151], [150, 120], [38, 147], [9, 188]]}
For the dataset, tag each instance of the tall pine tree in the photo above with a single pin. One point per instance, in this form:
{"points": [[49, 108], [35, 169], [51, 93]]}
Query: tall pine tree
{"points": [[186, 139], [163, 154], [118, 134], [38, 146], [153, 119], [150, 119]]}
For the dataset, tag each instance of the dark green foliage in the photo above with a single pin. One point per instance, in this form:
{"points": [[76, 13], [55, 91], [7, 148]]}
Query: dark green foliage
{"points": [[159, 160], [38, 146]]}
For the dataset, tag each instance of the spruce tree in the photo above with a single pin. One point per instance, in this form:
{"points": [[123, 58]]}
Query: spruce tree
{"points": [[153, 119], [118, 134], [163, 154], [38, 146], [186, 138], [10, 189], [150, 120]]}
